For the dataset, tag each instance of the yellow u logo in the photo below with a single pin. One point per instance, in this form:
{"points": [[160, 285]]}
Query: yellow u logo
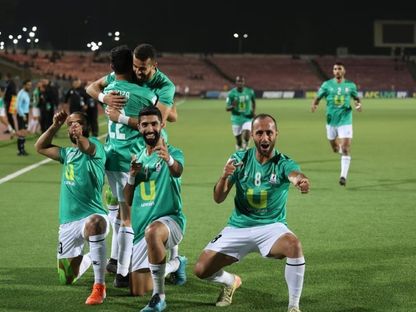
{"points": [[69, 172], [262, 203], [143, 192]]}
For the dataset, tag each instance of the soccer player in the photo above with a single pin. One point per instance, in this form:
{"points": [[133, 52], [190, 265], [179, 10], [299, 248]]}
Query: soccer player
{"points": [[262, 176], [120, 140], [81, 213], [338, 93], [145, 73], [154, 192], [241, 102]]}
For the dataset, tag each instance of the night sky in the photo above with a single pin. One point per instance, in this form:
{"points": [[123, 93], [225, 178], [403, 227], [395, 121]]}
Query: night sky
{"points": [[201, 26]]}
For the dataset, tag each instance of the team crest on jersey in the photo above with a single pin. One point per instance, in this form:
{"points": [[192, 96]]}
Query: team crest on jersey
{"points": [[273, 179], [158, 166]]}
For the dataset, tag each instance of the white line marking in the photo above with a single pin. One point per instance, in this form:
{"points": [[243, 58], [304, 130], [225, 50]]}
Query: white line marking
{"points": [[29, 168]]}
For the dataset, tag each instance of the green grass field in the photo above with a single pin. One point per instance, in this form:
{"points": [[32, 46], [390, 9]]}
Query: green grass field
{"points": [[359, 241]]}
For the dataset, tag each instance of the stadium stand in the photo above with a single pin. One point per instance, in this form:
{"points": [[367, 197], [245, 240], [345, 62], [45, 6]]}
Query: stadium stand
{"points": [[373, 73], [200, 73]]}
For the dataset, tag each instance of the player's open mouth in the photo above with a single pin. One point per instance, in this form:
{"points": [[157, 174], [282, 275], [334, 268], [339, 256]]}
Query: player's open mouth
{"points": [[150, 136], [264, 146]]}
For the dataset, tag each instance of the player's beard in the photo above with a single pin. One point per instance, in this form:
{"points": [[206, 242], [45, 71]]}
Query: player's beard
{"points": [[265, 148], [72, 138], [151, 141]]}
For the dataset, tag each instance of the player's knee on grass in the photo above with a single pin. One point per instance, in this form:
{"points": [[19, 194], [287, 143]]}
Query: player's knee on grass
{"points": [[66, 274]]}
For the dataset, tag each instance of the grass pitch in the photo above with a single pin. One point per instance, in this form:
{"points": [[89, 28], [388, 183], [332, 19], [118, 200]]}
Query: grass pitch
{"points": [[359, 241]]}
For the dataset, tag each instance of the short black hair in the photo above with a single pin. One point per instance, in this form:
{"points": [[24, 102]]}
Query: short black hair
{"points": [[145, 51], [339, 64], [121, 59], [264, 116], [150, 111], [26, 81]]}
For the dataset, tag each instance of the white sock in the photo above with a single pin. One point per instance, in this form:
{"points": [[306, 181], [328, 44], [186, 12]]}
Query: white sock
{"points": [[294, 272], [158, 276], [125, 246], [84, 265], [98, 257], [345, 165], [114, 239], [172, 266], [112, 213], [10, 128], [222, 277], [174, 252]]}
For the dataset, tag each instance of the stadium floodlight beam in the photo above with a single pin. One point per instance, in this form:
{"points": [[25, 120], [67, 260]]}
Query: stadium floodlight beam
{"points": [[19, 37], [10, 37], [109, 34], [24, 29], [100, 43], [34, 28], [31, 34], [36, 40], [117, 33], [116, 38], [28, 40], [15, 41]]}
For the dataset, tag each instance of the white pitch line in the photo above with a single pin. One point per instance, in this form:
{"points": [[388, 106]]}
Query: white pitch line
{"points": [[30, 168]]}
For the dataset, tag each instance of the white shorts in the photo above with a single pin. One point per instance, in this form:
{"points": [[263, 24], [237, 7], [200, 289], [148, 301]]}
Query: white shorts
{"points": [[238, 242], [342, 132], [71, 237], [35, 112], [2, 112], [117, 181], [237, 129], [139, 258]]}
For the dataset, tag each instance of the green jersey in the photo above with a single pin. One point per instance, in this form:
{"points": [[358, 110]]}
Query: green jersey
{"points": [[338, 97], [159, 84], [261, 189], [157, 194], [82, 183], [121, 137], [243, 110], [1, 102], [35, 97]]}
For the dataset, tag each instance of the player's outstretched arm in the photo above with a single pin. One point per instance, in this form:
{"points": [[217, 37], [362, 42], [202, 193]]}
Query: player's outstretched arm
{"points": [[173, 114], [44, 144], [95, 88], [223, 186], [358, 105], [112, 99], [165, 110], [300, 181], [314, 105]]}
